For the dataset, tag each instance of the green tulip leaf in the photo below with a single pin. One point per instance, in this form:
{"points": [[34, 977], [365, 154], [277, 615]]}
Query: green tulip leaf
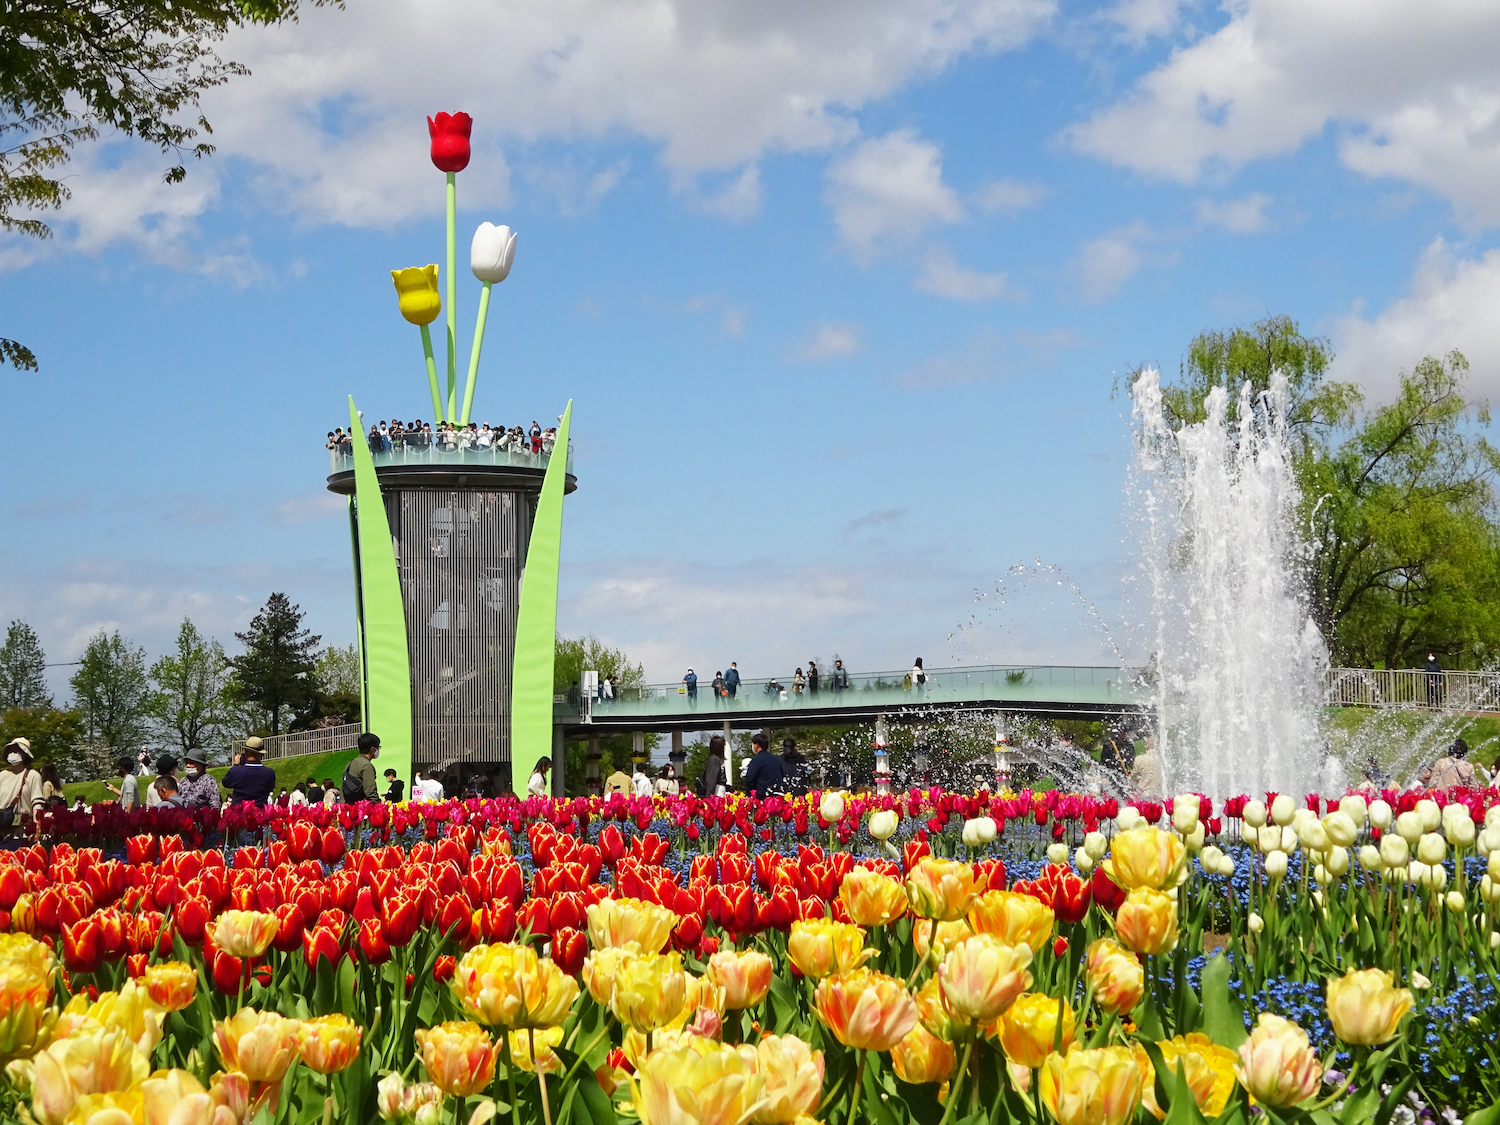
{"points": [[1223, 1018]]}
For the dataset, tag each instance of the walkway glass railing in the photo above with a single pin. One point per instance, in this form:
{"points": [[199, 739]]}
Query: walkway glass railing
{"points": [[997, 684], [434, 449]]}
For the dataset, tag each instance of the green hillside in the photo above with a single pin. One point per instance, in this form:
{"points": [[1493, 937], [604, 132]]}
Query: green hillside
{"points": [[289, 771]]}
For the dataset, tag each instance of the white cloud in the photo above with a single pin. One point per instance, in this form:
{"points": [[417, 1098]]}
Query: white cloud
{"points": [[942, 275], [313, 506], [1108, 262], [981, 360], [731, 317], [1238, 216], [1139, 20], [738, 200], [574, 190], [1450, 303], [832, 341], [1412, 87], [889, 190], [1009, 195]]}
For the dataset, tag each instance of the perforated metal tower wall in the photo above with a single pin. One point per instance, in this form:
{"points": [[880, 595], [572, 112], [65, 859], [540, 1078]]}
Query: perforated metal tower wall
{"points": [[460, 555]]}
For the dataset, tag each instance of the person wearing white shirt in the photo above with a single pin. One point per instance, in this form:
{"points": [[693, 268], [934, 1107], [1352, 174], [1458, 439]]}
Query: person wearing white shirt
{"points": [[641, 782], [536, 786]]}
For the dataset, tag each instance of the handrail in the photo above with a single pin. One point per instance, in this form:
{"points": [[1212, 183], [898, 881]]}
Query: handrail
{"points": [[1412, 687]]}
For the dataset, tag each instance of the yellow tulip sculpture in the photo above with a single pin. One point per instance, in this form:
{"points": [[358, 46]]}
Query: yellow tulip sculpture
{"points": [[420, 301]]}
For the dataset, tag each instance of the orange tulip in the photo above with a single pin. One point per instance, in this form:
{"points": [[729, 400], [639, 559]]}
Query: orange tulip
{"points": [[617, 922], [545, 1058], [745, 977], [1014, 918], [793, 1076], [941, 889], [1207, 1067], [1277, 1063], [696, 1081], [922, 1057], [865, 1009], [872, 899], [260, 1045], [1115, 976], [982, 976], [1147, 921], [171, 985], [937, 1015], [510, 986], [1028, 1029], [329, 1043], [820, 947], [458, 1056], [949, 934], [245, 934]]}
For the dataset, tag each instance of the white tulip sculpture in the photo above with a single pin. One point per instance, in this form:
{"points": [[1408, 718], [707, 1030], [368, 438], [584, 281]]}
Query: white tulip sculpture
{"points": [[490, 257]]}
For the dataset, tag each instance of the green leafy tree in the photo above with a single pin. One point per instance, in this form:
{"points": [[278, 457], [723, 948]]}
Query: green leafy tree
{"points": [[23, 682], [276, 670], [574, 656], [189, 702], [53, 734], [133, 68], [111, 694], [337, 679]]}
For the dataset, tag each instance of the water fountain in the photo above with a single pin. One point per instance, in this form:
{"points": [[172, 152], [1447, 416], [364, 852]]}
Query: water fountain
{"points": [[1239, 667]]}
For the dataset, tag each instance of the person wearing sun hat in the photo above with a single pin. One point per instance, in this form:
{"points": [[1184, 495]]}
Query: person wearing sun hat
{"points": [[247, 779], [198, 789], [21, 795]]}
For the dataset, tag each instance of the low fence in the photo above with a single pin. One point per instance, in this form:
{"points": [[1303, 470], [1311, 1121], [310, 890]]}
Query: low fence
{"points": [[1412, 687], [324, 740]]}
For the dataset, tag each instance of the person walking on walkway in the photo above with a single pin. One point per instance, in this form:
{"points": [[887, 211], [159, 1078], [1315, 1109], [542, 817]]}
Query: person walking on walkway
{"points": [[641, 781], [840, 676], [1434, 672], [718, 687], [812, 677], [247, 779], [617, 782], [732, 679], [765, 774], [397, 788], [691, 679], [918, 673], [20, 787], [199, 789], [799, 681]]}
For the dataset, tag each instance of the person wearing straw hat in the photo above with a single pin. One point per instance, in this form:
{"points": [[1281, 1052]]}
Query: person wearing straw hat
{"points": [[247, 779], [20, 786], [198, 789]]}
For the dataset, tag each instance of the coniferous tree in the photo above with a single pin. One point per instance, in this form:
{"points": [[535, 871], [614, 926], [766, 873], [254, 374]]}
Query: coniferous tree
{"points": [[23, 681], [276, 669]]}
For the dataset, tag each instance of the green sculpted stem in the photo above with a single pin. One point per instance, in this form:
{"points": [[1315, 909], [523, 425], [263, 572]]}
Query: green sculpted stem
{"points": [[484, 312], [387, 667], [432, 379], [536, 623], [452, 298]]}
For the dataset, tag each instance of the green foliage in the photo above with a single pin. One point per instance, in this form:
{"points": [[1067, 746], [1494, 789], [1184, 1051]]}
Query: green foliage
{"points": [[23, 665], [276, 669], [574, 657], [112, 695], [190, 698], [337, 697], [53, 734]]}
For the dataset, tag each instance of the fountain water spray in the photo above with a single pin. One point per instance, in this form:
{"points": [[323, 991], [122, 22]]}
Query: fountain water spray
{"points": [[1239, 663]]}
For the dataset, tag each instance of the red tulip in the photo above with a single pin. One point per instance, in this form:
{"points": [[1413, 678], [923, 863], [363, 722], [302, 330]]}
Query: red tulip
{"points": [[372, 942], [455, 917], [498, 920], [450, 140], [612, 845], [321, 942], [685, 935], [290, 925], [536, 917], [399, 918], [1059, 947], [227, 972], [83, 946], [569, 948], [136, 964], [140, 849], [304, 841], [1107, 893], [444, 968], [192, 917], [333, 846]]}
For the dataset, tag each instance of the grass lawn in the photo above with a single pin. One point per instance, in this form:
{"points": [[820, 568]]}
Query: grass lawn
{"points": [[289, 771], [1397, 736]]}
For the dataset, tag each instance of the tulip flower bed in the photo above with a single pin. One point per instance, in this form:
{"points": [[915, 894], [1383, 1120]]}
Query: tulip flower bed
{"points": [[934, 958]]}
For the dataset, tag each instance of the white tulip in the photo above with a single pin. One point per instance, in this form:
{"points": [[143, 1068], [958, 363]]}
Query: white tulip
{"points": [[1313, 837], [1337, 861], [1418, 873], [1193, 841], [1460, 832], [1226, 866], [1254, 814], [1437, 878], [1495, 939], [1084, 861], [1254, 922], [1301, 817], [1429, 814], [1355, 809], [1283, 809], [1097, 845], [1340, 828], [1394, 851], [1454, 901], [1250, 837], [883, 824], [1380, 814], [1276, 866], [1489, 890], [1418, 981], [1185, 818], [979, 831], [1409, 827], [1268, 839], [1057, 854], [1320, 875], [1494, 866], [1289, 841], [492, 252], [1209, 858], [1431, 848], [1492, 817], [831, 807], [1369, 857], [1129, 817]]}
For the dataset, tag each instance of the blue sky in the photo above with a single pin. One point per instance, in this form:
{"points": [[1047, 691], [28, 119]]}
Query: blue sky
{"points": [[839, 292]]}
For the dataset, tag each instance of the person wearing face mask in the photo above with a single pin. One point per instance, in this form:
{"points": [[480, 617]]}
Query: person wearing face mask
{"points": [[198, 789], [247, 779], [20, 787], [360, 781]]}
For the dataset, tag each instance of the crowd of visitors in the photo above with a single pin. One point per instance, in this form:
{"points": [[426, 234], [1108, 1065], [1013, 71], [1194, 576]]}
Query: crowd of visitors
{"points": [[445, 437], [726, 685]]}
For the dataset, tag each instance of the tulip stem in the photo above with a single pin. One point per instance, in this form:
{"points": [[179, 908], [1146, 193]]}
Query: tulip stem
{"points": [[484, 312], [931, 941], [452, 295], [432, 379], [859, 1080], [958, 1078], [541, 1077]]}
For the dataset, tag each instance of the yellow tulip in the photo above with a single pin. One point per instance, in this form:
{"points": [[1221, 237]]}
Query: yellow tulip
{"points": [[865, 1009], [617, 922], [417, 293], [261, 1045], [546, 1039], [1277, 1063], [981, 976], [126, 1107], [650, 991], [1146, 856], [872, 899], [1115, 976], [1015, 919], [949, 934], [458, 1057], [100, 1062], [175, 1097], [329, 1043], [600, 966], [923, 1057], [172, 984], [941, 889], [1147, 921], [396, 1101], [820, 947], [510, 986], [26, 1018], [1028, 1029], [1365, 1008], [745, 976], [1098, 1087], [1207, 1067], [245, 934], [937, 1015], [793, 1076], [132, 1011], [696, 1081]]}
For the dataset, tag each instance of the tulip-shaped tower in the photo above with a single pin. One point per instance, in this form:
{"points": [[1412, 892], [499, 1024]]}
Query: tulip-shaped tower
{"points": [[457, 665]]}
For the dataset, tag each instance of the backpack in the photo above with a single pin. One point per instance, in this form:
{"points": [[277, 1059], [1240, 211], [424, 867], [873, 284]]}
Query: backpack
{"points": [[352, 789]]}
